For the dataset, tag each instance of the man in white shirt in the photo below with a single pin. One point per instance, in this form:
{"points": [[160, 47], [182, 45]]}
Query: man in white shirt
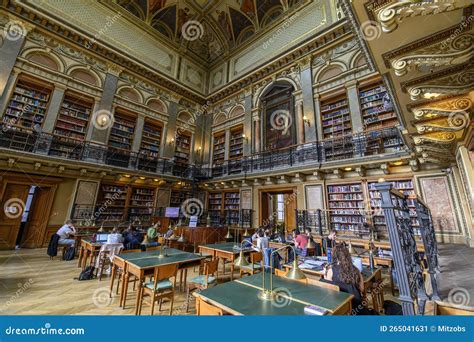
{"points": [[65, 233]]}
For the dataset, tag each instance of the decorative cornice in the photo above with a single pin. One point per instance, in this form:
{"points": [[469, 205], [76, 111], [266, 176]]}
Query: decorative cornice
{"points": [[456, 80], [390, 16], [445, 108]]}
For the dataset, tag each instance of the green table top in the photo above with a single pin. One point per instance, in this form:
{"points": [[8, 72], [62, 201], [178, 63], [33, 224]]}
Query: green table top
{"points": [[226, 247], [298, 291], [140, 255], [152, 260], [240, 299]]}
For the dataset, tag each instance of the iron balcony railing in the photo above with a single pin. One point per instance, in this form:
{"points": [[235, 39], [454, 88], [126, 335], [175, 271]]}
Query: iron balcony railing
{"points": [[340, 148]]}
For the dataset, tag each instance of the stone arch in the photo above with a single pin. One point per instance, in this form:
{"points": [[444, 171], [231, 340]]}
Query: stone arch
{"points": [[332, 70], [157, 105], [358, 60], [85, 75], [236, 111], [219, 118], [46, 59], [130, 93]]}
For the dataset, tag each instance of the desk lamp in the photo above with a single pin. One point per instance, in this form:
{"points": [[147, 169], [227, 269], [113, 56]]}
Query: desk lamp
{"points": [[228, 235], [181, 237]]}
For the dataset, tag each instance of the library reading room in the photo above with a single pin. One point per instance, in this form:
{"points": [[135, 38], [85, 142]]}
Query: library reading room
{"points": [[236, 157]]}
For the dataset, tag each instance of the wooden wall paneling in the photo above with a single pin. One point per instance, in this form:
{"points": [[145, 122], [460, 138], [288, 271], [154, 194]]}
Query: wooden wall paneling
{"points": [[13, 199]]}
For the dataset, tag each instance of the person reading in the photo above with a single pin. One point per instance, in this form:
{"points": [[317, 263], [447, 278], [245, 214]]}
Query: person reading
{"points": [[115, 236], [330, 241], [65, 233]]}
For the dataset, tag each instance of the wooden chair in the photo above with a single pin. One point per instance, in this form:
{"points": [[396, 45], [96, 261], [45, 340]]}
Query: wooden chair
{"points": [[118, 271], [206, 309], [320, 283], [447, 309], [256, 264], [161, 287], [104, 257], [207, 278]]}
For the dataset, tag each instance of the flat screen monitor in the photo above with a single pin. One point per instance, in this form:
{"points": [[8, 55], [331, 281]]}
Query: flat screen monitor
{"points": [[172, 212]]}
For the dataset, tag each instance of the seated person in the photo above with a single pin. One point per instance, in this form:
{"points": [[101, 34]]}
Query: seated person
{"points": [[152, 236], [115, 236], [330, 240], [65, 233], [301, 240], [344, 274], [256, 234], [132, 238], [169, 233], [262, 241]]}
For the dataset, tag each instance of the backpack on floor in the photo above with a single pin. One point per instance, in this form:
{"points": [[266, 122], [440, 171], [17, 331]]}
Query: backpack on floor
{"points": [[392, 308], [87, 273], [69, 254]]}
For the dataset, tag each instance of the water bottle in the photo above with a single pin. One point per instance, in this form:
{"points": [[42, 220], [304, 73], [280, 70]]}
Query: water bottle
{"points": [[329, 255]]}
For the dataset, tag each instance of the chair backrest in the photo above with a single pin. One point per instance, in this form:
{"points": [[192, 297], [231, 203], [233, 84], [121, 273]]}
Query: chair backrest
{"points": [[319, 283], [210, 267], [206, 309], [256, 257], [446, 309], [279, 273], [165, 272]]}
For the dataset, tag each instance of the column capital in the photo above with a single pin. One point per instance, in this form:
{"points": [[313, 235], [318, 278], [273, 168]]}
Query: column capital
{"points": [[60, 86], [114, 69], [18, 26], [351, 84], [304, 63], [248, 91]]}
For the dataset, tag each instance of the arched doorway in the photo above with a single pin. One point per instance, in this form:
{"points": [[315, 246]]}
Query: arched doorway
{"points": [[279, 126]]}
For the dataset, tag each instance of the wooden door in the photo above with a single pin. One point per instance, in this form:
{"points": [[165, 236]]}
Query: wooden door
{"points": [[290, 207], [13, 199], [38, 217]]}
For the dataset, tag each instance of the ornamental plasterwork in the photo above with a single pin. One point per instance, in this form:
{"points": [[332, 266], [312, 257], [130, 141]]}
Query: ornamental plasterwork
{"points": [[67, 50], [453, 81], [444, 108], [441, 138], [443, 53], [390, 16], [453, 123], [338, 51]]}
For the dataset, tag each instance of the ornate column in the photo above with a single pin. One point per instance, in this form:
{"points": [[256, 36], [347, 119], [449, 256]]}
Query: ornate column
{"points": [[248, 123], [318, 119], [54, 107], [354, 106], [192, 150], [170, 136], [306, 78], [137, 136], [465, 163], [257, 130], [106, 104], [227, 144], [299, 122], [15, 31], [8, 91]]}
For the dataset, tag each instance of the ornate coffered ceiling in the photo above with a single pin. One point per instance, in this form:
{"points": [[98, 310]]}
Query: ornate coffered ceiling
{"points": [[208, 30], [425, 50]]}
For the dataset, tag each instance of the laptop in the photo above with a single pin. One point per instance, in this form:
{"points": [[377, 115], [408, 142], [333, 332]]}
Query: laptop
{"points": [[101, 237]]}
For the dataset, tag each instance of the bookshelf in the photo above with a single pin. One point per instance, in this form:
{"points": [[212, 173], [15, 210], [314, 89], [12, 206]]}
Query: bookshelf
{"points": [[336, 117], [378, 219], [224, 206], [142, 204], [183, 148], [376, 107], [28, 105], [236, 143], [232, 207], [150, 145], [218, 151], [111, 203], [346, 204], [177, 197], [71, 125], [121, 134]]}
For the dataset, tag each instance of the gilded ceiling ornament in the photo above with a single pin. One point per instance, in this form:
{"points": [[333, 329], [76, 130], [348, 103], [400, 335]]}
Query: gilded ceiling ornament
{"points": [[443, 108], [435, 137], [390, 16], [458, 51]]}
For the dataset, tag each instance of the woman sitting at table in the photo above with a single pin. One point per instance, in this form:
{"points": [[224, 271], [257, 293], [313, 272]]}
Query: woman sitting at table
{"points": [[115, 236], [344, 274], [152, 236], [132, 238]]}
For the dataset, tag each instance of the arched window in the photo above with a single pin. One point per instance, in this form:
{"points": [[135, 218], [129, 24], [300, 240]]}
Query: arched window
{"points": [[279, 128]]}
